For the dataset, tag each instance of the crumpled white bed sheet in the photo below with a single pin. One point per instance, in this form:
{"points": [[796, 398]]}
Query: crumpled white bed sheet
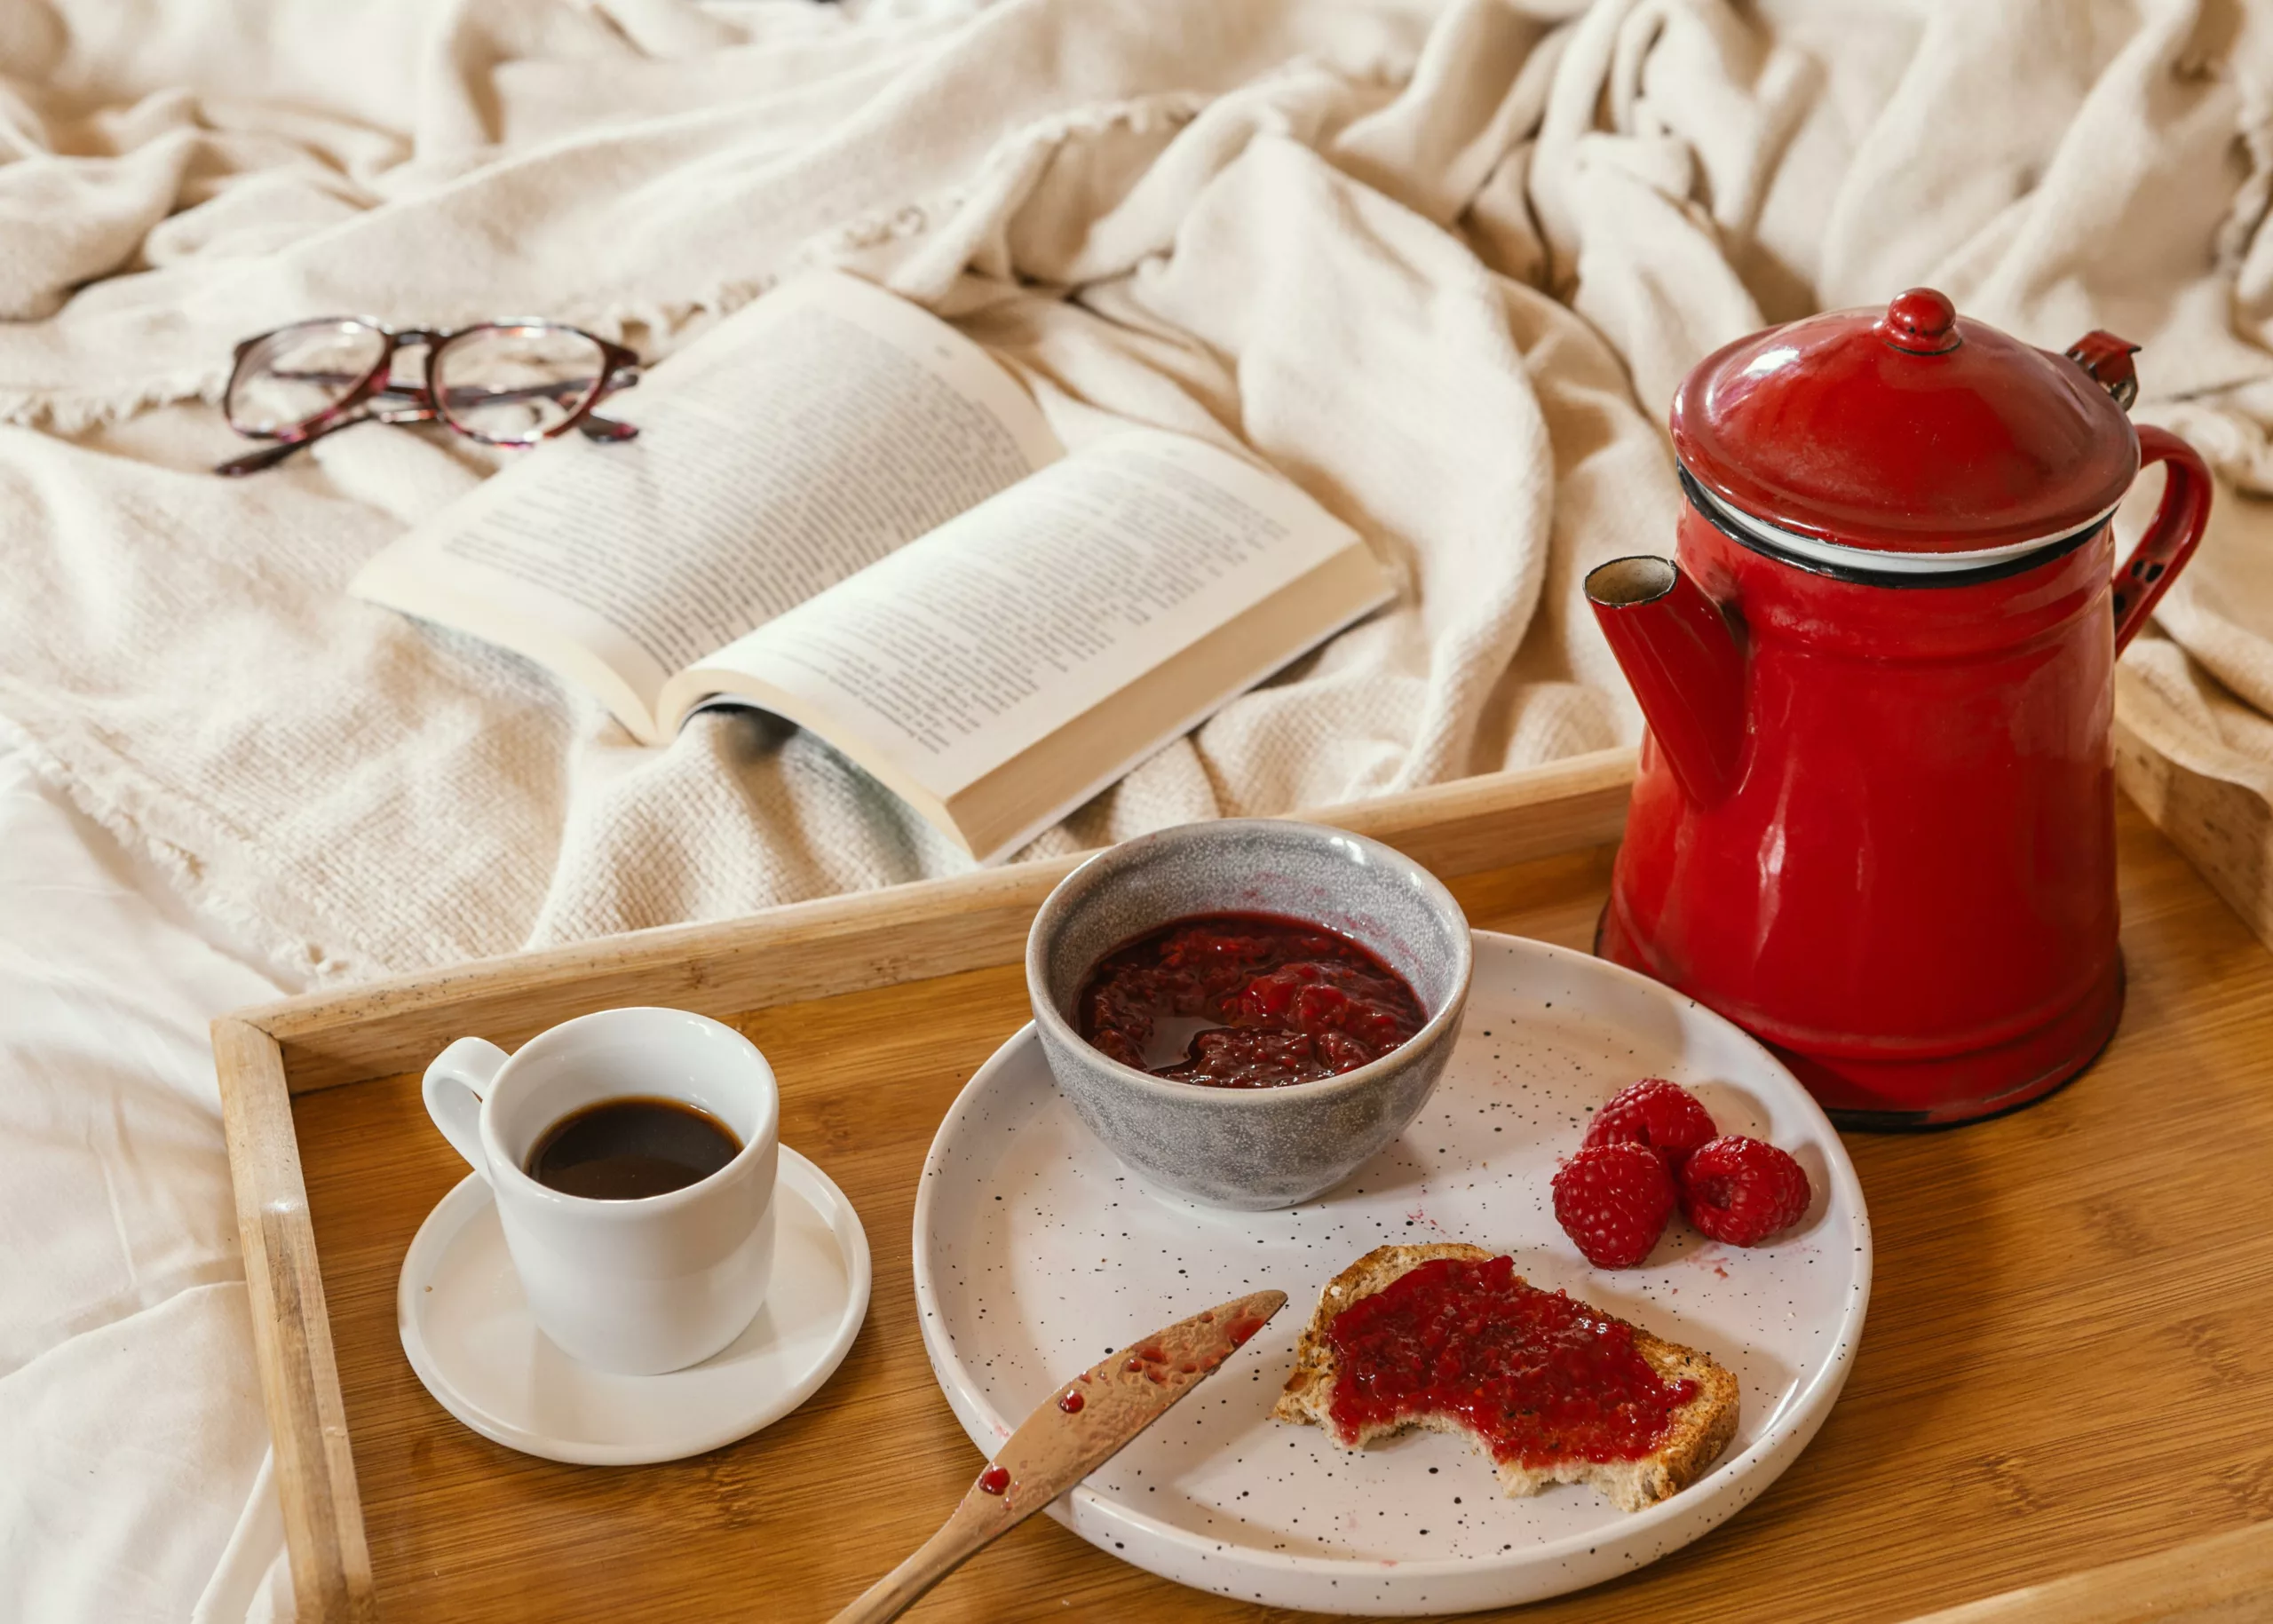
{"points": [[134, 1478]]}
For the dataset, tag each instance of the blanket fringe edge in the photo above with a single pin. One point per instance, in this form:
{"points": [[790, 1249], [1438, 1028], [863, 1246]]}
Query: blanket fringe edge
{"points": [[295, 963]]}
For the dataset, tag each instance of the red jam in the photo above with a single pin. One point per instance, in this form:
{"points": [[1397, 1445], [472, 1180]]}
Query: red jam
{"points": [[1071, 1401], [1246, 1001], [1151, 1361], [994, 1480], [1243, 1327], [1538, 1377]]}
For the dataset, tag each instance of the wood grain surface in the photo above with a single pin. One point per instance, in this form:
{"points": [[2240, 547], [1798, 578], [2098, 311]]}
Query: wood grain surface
{"points": [[323, 1525], [2065, 1363], [2226, 1579], [2225, 828]]}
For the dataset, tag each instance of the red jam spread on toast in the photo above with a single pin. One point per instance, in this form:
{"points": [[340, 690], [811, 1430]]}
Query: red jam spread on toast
{"points": [[1538, 1377], [1246, 1001]]}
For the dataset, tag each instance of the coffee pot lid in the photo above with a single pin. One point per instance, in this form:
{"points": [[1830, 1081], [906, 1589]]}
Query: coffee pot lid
{"points": [[1911, 430]]}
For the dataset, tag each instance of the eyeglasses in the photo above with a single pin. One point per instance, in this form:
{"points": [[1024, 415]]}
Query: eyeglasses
{"points": [[501, 382]]}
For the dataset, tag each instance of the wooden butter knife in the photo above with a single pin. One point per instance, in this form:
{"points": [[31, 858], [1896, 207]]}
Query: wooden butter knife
{"points": [[1076, 1430]]}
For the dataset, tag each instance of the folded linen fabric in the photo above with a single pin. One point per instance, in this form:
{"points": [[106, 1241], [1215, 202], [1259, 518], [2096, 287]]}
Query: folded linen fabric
{"points": [[1441, 266]]}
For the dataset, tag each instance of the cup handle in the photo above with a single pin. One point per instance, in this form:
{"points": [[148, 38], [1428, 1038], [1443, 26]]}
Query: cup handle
{"points": [[455, 1085], [2171, 539]]}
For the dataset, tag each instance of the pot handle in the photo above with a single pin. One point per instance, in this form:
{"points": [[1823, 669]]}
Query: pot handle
{"points": [[2171, 539]]}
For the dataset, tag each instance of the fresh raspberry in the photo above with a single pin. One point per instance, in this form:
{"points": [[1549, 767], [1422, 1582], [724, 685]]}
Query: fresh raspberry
{"points": [[1613, 1199], [1663, 1115], [1742, 1191]]}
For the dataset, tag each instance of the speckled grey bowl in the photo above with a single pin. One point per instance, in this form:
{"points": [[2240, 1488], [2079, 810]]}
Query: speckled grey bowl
{"points": [[1250, 1148]]}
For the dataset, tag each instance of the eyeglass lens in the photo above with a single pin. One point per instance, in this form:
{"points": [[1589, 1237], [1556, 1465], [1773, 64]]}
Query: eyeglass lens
{"points": [[296, 374], [513, 383]]}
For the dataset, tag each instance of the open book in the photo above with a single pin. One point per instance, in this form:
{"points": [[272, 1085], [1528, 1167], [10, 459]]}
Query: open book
{"points": [[840, 510]]}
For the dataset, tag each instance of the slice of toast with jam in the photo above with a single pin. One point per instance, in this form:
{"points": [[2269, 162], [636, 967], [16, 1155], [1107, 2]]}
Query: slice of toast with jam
{"points": [[1637, 1417]]}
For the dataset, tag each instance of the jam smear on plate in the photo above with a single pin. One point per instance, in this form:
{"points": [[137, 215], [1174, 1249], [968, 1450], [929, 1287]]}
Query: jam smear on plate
{"points": [[1538, 1377], [1246, 1001]]}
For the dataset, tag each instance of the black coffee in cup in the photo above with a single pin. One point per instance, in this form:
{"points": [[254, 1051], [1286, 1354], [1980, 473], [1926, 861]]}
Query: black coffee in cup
{"points": [[627, 1149]]}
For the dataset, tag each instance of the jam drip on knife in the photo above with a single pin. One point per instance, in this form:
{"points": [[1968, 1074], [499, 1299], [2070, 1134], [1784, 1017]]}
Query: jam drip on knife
{"points": [[1538, 1377], [1246, 1001]]}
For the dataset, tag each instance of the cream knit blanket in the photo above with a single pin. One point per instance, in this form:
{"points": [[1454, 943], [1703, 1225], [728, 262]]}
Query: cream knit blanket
{"points": [[1441, 265]]}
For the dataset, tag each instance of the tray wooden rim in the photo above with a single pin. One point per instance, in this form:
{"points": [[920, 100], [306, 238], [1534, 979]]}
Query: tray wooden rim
{"points": [[265, 1055]]}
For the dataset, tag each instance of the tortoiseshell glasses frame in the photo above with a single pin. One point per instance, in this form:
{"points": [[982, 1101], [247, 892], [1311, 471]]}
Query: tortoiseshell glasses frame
{"points": [[506, 383]]}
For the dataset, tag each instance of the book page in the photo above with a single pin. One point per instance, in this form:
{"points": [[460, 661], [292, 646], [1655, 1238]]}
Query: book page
{"points": [[991, 633], [808, 435]]}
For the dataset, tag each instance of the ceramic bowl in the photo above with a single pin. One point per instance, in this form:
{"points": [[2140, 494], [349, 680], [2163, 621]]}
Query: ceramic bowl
{"points": [[1249, 1148]]}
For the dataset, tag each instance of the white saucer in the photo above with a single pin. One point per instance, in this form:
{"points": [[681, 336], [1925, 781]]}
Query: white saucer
{"points": [[466, 1328], [1036, 1251]]}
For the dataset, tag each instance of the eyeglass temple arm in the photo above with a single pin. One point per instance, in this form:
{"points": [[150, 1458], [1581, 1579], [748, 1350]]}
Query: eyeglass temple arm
{"points": [[622, 373], [591, 425], [268, 457]]}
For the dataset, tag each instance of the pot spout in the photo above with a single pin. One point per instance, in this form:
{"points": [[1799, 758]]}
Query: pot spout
{"points": [[1685, 664]]}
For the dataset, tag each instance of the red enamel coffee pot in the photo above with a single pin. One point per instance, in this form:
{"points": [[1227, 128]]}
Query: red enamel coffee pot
{"points": [[1874, 823]]}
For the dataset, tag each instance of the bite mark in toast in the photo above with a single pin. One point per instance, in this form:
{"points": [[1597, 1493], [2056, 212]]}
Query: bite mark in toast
{"points": [[1697, 1433]]}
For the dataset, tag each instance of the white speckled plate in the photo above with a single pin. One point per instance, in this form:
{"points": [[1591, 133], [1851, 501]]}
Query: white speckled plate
{"points": [[1036, 1252]]}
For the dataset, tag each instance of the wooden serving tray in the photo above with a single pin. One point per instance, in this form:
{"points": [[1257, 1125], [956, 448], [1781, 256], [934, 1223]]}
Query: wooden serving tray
{"points": [[2065, 1364]]}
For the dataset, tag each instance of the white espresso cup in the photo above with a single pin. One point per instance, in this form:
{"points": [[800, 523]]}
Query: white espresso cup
{"points": [[637, 1287]]}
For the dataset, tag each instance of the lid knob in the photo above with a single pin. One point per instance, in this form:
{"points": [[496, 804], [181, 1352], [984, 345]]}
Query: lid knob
{"points": [[1921, 322]]}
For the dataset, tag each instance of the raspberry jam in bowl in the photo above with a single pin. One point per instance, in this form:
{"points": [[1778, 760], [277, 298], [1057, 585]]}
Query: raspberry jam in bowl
{"points": [[1246, 1011], [1245, 1000]]}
